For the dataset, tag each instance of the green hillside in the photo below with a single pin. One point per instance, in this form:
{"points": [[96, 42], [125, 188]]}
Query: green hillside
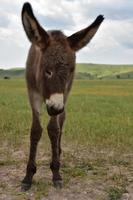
{"points": [[15, 72], [84, 71], [104, 71]]}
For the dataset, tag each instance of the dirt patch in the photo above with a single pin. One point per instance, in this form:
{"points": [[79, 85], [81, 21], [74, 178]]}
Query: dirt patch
{"points": [[83, 180], [76, 188]]}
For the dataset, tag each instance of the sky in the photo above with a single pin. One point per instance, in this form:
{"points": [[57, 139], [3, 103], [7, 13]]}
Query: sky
{"points": [[112, 44]]}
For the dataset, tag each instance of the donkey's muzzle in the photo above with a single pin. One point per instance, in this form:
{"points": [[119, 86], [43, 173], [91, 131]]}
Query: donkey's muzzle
{"points": [[55, 104], [54, 111]]}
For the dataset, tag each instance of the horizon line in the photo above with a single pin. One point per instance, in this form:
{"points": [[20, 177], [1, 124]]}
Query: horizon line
{"points": [[89, 63]]}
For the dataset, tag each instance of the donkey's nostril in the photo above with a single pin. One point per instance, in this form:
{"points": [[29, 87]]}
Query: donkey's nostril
{"points": [[53, 111], [48, 73]]}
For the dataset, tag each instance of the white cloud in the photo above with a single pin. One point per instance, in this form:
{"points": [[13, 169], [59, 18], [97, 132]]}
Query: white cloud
{"points": [[113, 42]]}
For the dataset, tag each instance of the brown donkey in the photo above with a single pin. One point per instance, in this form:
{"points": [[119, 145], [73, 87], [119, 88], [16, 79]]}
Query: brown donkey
{"points": [[49, 74]]}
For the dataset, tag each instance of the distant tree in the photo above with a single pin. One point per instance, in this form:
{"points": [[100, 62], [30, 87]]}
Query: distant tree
{"points": [[118, 76], [6, 77]]}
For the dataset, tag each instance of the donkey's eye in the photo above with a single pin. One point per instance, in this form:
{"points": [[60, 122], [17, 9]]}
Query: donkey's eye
{"points": [[72, 69], [48, 73]]}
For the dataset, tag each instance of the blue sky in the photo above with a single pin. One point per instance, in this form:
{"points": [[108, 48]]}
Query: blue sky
{"points": [[112, 44]]}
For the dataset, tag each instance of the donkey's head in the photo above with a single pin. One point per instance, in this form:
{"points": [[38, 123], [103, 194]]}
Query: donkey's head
{"points": [[57, 60]]}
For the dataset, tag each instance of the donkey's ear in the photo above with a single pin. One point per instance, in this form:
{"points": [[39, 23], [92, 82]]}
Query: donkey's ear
{"points": [[34, 31], [80, 39]]}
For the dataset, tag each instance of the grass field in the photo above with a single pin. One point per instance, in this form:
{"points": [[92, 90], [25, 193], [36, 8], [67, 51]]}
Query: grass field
{"points": [[97, 143]]}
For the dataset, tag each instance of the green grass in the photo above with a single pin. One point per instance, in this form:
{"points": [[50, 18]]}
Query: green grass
{"points": [[98, 113], [115, 193], [97, 131], [102, 113]]}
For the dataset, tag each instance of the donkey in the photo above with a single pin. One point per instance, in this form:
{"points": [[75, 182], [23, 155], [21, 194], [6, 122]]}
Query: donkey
{"points": [[49, 74]]}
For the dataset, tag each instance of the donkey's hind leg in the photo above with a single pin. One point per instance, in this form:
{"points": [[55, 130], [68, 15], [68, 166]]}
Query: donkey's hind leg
{"points": [[36, 132]]}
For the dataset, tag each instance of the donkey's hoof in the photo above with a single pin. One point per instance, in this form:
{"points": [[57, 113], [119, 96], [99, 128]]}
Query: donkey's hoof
{"points": [[58, 184], [25, 187]]}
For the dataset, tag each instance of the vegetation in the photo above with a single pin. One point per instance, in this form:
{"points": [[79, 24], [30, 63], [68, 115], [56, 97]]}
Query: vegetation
{"points": [[115, 193], [97, 141]]}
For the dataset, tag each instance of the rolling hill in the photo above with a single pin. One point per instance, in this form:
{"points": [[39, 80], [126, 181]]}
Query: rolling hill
{"points": [[84, 71], [104, 71]]}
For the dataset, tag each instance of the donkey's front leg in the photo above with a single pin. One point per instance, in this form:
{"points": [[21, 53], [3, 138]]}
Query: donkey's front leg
{"points": [[36, 132], [61, 122], [35, 136], [54, 133]]}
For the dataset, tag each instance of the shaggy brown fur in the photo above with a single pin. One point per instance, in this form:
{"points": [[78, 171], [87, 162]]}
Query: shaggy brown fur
{"points": [[49, 74]]}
